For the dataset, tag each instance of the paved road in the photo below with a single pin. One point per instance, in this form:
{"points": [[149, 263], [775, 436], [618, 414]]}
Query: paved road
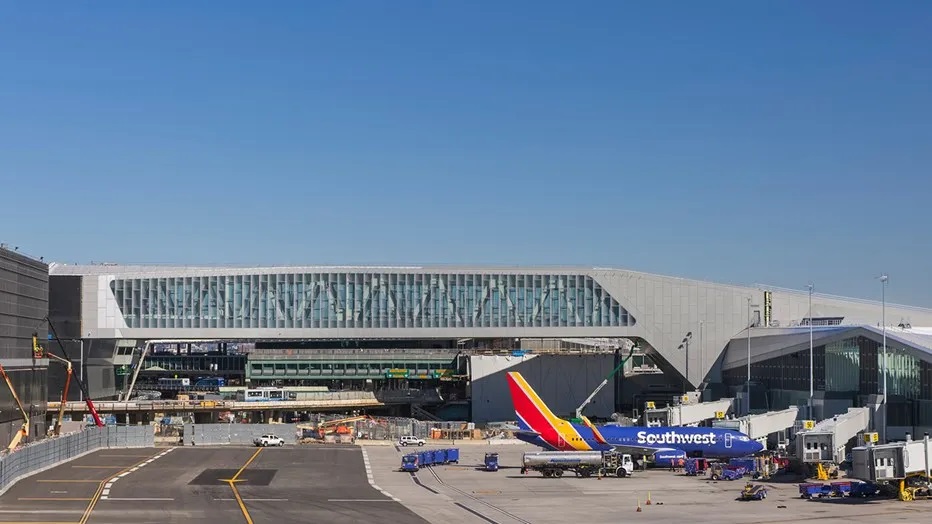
{"points": [[216, 485]]}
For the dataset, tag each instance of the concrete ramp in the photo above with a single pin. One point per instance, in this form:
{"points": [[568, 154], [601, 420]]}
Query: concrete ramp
{"points": [[761, 425]]}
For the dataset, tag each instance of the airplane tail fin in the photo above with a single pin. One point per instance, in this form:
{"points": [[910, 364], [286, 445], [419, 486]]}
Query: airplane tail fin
{"points": [[529, 407]]}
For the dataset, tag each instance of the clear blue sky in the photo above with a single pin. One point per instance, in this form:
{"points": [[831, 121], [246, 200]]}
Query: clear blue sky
{"points": [[775, 142]]}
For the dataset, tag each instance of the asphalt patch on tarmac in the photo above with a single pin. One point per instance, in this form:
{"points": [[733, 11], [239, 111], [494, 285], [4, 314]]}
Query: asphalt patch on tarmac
{"points": [[219, 477]]}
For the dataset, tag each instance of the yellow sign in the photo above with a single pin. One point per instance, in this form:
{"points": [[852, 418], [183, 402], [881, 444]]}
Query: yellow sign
{"points": [[650, 405], [871, 437], [808, 424], [719, 415]]}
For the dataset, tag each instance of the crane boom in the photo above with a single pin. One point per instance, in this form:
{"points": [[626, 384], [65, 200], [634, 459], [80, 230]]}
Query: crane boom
{"points": [[64, 393], [24, 430], [87, 396], [598, 388]]}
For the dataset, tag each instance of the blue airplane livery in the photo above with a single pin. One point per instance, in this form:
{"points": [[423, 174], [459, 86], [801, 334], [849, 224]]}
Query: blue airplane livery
{"points": [[539, 426]]}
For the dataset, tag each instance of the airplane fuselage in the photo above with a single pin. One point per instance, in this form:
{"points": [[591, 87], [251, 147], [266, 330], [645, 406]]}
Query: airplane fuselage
{"points": [[694, 441]]}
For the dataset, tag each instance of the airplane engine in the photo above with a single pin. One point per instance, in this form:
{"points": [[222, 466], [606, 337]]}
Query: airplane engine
{"points": [[668, 458]]}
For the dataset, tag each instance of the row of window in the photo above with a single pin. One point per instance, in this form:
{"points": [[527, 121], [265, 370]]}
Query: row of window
{"points": [[367, 300]]}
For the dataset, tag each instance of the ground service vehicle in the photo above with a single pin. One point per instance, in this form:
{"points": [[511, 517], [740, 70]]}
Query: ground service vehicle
{"points": [[753, 492], [582, 463], [411, 440], [491, 461], [726, 472], [696, 466], [269, 440], [431, 457]]}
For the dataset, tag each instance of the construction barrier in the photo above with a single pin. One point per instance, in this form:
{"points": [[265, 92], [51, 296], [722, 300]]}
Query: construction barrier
{"points": [[45, 454], [236, 434]]}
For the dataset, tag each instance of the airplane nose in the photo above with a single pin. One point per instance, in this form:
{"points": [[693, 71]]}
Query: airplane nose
{"points": [[756, 446]]}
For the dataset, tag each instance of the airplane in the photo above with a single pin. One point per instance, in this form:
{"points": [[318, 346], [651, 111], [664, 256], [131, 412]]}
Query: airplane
{"points": [[539, 426]]}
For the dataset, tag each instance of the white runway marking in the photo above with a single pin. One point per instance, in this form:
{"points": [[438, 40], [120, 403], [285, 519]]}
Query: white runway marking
{"points": [[106, 493], [139, 499], [365, 461]]}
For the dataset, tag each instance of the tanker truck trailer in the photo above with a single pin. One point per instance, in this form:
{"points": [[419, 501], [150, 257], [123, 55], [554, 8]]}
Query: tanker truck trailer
{"points": [[582, 463]]}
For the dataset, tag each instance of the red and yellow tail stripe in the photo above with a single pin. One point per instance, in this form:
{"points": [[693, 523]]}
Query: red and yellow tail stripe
{"points": [[531, 409], [595, 431]]}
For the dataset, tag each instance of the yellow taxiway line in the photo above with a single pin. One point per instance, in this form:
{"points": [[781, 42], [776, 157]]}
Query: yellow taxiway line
{"points": [[100, 488], [232, 482]]}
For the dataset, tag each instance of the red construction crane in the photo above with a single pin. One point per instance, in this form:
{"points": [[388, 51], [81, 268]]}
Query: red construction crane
{"points": [[38, 353]]}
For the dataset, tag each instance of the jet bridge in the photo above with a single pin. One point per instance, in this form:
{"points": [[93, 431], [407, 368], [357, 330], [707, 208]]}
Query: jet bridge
{"points": [[688, 413], [759, 426], [892, 462], [826, 441]]}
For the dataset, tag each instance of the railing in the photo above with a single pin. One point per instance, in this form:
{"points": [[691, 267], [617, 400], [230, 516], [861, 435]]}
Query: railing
{"points": [[39, 456], [315, 401], [351, 354]]}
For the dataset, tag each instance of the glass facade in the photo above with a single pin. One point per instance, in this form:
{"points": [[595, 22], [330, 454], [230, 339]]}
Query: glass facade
{"points": [[903, 374], [843, 365], [367, 300], [846, 371]]}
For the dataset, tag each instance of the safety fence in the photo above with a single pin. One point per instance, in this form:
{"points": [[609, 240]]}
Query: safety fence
{"points": [[39, 456], [236, 434]]}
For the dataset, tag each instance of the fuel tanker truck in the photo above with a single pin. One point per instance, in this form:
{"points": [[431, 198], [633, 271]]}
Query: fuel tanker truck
{"points": [[582, 463]]}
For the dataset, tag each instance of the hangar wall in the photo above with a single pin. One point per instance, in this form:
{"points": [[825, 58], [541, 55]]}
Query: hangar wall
{"points": [[562, 381]]}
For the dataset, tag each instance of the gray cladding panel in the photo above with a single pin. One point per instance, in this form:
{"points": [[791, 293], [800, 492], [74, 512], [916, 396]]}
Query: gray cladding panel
{"points": [[562, 381]]}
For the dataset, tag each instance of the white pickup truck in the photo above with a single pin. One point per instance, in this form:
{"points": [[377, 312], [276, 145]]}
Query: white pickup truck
{"points": [[269, 440]]}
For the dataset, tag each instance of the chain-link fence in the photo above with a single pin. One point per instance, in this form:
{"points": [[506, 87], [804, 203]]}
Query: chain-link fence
{"points": [[236, 434], [44, 454]]}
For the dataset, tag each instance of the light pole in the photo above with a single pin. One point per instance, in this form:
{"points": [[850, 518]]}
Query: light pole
{"points": [[811, 356], [685, 344], [701, 356], [748, 391], [883, 322]]}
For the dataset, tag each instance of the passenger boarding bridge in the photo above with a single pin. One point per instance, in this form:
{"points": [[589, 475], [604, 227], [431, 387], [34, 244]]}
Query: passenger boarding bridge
{"points": [[762, 425], [825, 442], [688, 412]]}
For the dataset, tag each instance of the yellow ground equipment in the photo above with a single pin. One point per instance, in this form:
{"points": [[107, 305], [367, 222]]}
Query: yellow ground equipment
{"points": [[825, 473], [23, 431], [338, 426]]}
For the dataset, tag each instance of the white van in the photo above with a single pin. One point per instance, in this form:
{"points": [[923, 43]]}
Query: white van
{"points": [[411, 440]]}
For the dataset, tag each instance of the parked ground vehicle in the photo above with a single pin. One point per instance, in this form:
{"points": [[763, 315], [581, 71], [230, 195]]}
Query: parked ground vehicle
{"points": [[696, 466], [269, 440], [726, 472], [753, 492], [431, 457], [582, 463], [849, 488], [491, 461], [411, 440]]}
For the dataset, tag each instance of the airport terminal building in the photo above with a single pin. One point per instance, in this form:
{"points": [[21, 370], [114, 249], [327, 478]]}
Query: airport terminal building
{"points": [[351, 325], [24, 300]]}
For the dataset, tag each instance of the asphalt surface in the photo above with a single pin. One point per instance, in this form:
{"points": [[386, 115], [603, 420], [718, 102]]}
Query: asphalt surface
{"points": [[201, 484]]}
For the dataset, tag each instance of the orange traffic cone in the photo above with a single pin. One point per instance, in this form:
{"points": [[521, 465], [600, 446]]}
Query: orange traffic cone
{"points": [[648, 498]]}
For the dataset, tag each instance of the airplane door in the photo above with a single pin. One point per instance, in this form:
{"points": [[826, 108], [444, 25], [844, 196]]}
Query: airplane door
{"points": [[728, 440], [560, 442]]}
